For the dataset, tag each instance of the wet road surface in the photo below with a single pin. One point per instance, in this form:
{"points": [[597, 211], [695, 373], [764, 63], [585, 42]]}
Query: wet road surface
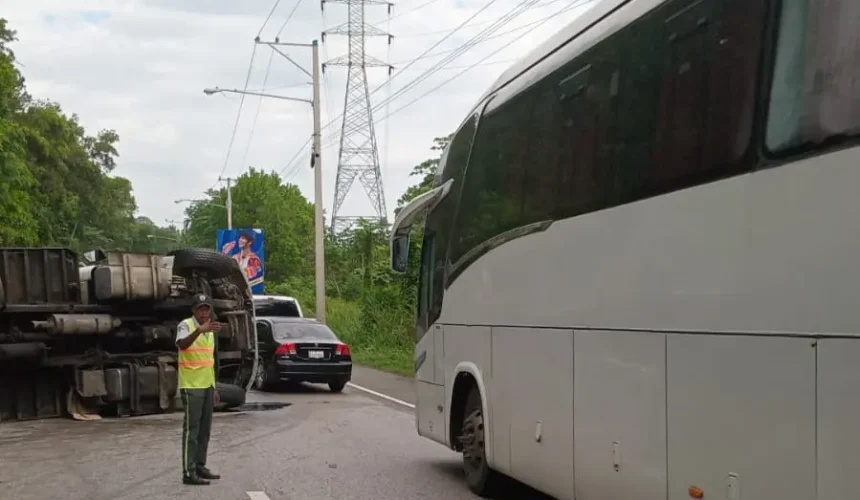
{"points": [[323, 445]]}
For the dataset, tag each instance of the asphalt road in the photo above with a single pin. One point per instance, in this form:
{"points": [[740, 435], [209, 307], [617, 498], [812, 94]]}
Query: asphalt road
{"points": [[350, 445]]}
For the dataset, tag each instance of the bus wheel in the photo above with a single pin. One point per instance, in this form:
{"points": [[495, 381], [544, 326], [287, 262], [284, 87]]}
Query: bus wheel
{"points": [[481, 479]]}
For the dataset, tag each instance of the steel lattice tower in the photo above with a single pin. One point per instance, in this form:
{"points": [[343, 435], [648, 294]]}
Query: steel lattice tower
{"points": [[359, 156]]}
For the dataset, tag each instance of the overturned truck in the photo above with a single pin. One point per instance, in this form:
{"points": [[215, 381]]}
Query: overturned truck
{"points": [[97, 338]]}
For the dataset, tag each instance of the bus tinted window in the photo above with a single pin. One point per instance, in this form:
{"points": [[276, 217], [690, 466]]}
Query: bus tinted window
{"points": [[816, 77], [666, 103], [437, 228]]}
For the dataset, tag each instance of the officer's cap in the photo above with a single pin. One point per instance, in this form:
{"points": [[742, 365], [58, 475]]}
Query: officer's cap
{"points": [[200, 300]]}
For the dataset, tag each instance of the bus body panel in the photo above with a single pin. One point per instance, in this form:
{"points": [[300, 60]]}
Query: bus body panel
{"points": [[531, 396], [838, 414], [430, 412], [427, 356], [431, 416], [769, 252], [620, 414], [741, 416], [468, 351]]}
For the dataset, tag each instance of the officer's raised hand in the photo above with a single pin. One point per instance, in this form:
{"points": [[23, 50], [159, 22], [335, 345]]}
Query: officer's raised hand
{"points": [[210, 326]]}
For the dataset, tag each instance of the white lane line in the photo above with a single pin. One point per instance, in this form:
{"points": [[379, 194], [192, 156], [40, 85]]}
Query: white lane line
{"points": [[257, 495], [380, 395]]}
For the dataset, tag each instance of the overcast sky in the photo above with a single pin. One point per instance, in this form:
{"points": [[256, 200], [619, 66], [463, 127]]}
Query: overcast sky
{"points": [[139, 67]]}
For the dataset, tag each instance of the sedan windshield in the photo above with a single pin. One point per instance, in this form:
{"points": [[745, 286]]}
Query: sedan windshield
{"points": [[302, 331], [816, 77]]}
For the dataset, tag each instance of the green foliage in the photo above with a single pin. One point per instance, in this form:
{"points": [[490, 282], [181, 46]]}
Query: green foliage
{"points": [[56, 187], [368, 306], [427, 172]]}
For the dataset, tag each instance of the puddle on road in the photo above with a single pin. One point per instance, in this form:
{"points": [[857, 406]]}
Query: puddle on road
{"points": [[260, 406]]}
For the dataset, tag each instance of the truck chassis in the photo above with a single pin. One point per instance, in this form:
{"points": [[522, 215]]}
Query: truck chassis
{"points": [[98, 339]]}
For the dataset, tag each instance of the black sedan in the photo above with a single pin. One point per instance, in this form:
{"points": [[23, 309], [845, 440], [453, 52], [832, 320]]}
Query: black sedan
{"points": [[300, 350]]}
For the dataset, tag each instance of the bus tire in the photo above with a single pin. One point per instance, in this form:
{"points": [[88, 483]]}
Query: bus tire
{"points": [[481, 479]]}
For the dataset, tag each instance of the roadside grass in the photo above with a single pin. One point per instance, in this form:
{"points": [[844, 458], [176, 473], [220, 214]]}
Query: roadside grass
{"points": [[391, 360], [378, 327], [377, 336]]}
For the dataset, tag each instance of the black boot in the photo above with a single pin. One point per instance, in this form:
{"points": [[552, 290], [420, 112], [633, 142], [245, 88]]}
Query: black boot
{"points": [[205, 473], [194, 479]]}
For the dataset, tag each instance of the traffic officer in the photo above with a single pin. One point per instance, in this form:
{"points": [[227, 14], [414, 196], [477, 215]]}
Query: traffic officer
{"points": [[196, 341]]}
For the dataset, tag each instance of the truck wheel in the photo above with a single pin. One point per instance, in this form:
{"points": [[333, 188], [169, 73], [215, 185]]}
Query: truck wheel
{"points": [[215, 264], [231, 395], [481, 479]]}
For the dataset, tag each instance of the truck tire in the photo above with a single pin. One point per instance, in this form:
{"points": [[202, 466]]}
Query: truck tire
{"points": [[215, 264], [232, 396]]}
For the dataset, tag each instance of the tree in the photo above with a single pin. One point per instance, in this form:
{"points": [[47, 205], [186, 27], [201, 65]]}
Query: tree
{"points": [[427, 172], [262, 201], [57, 186]]}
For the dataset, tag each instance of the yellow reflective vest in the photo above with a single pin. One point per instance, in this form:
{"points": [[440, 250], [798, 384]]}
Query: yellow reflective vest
{"points": [[197, 363]]}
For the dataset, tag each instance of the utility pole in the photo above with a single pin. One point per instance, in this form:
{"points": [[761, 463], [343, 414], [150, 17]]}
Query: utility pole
{"points": [[316, 164], [316, 159], [229, 201]]}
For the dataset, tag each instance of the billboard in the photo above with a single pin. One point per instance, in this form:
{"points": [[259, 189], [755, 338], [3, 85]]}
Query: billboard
{"points": [[245, 246]]}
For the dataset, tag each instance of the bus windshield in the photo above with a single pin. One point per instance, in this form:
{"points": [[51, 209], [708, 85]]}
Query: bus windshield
{"points": [[816, 77]]}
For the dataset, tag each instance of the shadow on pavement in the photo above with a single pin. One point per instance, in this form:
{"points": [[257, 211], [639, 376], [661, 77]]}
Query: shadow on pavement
{"points": [[514, 491], [299, 388]]}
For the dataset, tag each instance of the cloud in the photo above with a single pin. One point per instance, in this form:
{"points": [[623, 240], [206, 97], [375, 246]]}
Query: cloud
{"points": [[140, 67], [95, 16]]}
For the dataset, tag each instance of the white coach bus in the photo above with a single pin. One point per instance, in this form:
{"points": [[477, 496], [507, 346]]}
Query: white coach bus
{"points": [[640, 266]]}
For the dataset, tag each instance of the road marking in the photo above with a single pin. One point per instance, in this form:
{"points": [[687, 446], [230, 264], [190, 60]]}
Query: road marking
{"points": [[257, 495], [380, 395]]}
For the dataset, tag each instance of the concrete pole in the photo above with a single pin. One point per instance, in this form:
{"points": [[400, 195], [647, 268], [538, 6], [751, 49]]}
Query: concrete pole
{"points": [[319, 235], [229, 203]]}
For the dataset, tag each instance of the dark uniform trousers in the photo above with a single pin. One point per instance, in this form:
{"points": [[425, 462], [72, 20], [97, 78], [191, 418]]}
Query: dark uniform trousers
{"points": [[197, 425]]}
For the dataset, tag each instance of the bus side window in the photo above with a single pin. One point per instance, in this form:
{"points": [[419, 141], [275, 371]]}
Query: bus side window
{"points": [[497, 189], [707, 89], [425, 281], [440, 220]]}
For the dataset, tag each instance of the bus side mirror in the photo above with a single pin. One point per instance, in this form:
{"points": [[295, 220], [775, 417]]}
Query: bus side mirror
{"points": [[400, 253]]}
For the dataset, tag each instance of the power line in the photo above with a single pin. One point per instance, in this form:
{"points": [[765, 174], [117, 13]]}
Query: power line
{"points": [[498, 23], [438, 32], [491, 63], [485, 7], [425, 4], [503, 20], [238, 117], [268, 17], [257, 113], [573, 5], [265, 79], [461, 49], [487, 39], [289, 16], [327, 89]]}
